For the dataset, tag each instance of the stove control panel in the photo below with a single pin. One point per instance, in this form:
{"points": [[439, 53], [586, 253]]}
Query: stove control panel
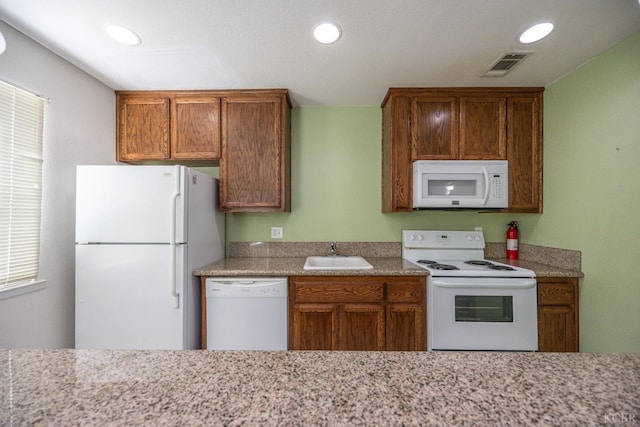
{"points": [[435, 239]]}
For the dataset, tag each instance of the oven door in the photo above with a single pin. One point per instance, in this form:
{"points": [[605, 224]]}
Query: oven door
{"points": [[482, 314]]}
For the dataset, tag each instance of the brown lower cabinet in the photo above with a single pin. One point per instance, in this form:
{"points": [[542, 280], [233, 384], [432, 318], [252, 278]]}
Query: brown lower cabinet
{"points": [[389, 313], [357, 313], [558, 314]]}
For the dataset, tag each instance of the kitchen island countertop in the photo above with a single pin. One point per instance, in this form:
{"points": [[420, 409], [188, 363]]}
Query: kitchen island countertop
{"points": [[103, 387]]}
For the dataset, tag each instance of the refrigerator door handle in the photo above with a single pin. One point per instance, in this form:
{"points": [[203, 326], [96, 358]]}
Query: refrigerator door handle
{"points": [[174, 206]]}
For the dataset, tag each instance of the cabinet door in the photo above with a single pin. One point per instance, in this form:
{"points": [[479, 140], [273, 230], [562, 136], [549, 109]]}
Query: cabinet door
{"points": [[397, 171], [143, 128], [361, 327], [556, 329], [195, 127], [558, 314], [406, 328], [406, 321], [254, 166], [434, 128], [483, 128], [524, 152], [314, 327]]}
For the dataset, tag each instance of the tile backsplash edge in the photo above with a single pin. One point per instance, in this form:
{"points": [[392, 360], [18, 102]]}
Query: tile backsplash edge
{"points": [[556, 257], [305, 249], [563, 258]]}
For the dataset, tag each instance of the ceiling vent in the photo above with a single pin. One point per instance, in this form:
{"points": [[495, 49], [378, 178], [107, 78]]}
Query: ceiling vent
{"points": [[506, 63]]}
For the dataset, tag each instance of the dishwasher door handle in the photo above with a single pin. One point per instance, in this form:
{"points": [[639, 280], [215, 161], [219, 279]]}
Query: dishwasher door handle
{"points": [[245, 284], [231, 287]]}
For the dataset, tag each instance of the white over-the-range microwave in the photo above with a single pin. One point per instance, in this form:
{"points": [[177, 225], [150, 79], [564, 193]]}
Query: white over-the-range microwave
{"points": [[460, 184]]}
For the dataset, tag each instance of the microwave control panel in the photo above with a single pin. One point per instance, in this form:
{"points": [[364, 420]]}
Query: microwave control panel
{"points": [[497, 186]]}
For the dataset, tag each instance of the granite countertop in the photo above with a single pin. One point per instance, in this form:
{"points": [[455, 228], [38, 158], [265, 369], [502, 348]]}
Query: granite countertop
{"points": [[194, 387], [541, 270], [287, 259], [382, 266]]}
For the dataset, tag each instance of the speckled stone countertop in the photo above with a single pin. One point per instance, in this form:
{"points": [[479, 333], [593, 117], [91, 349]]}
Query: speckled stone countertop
{"points": [[126, 388], [288, 258], [272, 267], [545, 261]]}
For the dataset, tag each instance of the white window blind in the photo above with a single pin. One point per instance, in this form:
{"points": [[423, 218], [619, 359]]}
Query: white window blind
{"points": [[21, 128]]}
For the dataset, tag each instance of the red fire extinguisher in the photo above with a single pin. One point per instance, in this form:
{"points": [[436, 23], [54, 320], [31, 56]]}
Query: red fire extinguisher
{"points": [[512, 240]]}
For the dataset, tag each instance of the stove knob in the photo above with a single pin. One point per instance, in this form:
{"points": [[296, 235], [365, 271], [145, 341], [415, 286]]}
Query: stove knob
{"points": [[412, 237], [420, 237], [477, 238], [469, 237]]}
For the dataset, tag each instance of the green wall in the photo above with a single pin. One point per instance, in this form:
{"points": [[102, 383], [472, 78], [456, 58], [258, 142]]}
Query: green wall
{"points": [[591, 190], [336, 181]]}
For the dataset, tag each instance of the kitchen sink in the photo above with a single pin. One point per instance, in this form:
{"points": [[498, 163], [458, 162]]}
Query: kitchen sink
{"points": [[336, 263]]}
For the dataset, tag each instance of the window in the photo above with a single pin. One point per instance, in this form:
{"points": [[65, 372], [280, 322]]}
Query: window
{"points": [[21, 128]]}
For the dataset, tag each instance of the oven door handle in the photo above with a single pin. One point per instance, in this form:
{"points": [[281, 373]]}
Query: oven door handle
{"points": [[525, 284]]}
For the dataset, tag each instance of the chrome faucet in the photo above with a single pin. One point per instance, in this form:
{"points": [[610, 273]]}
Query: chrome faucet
{"points": [[334, 249]]}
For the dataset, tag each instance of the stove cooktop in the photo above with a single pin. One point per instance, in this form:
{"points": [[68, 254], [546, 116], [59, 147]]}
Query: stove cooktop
{"points": [[472, 268], [454, 254]]}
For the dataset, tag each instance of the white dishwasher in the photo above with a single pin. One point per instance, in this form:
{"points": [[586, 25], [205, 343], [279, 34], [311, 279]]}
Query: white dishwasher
{"points": [[247, 313]]}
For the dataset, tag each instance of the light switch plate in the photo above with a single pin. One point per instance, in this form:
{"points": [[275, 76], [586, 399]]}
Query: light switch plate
{"points": [[276, 232]]}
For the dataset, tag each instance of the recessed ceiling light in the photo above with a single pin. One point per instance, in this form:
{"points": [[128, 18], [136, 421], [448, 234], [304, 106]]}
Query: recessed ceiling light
{"points": [[327, 33], [537, 32], [123, 35]]}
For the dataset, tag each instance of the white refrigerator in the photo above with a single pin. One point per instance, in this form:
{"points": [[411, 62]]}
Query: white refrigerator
{"points": [[140, 233]]}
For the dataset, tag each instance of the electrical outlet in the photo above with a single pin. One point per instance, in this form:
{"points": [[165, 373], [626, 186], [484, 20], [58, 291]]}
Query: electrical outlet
{"points": [[276, 232]]}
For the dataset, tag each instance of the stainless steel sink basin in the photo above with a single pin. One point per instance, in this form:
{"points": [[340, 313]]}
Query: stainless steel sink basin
{"points": [[336, 263]]}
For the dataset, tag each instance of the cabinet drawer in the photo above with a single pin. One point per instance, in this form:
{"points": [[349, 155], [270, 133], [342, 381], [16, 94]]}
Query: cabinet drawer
{"points": [[556, 293], [335, 290], [409, 290]]}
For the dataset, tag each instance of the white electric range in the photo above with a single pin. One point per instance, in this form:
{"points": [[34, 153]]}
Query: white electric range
{"points": [[472, 303]]}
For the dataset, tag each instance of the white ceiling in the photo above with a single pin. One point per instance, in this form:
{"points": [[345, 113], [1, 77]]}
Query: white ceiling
{"points": [[217, 44]]}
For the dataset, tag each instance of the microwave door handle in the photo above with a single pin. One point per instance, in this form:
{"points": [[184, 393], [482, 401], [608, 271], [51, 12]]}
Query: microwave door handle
{"points": [[486, 185]]}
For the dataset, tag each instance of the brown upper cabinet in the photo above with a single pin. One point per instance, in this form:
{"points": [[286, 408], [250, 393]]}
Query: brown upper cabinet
{"points": [[246, 132], [458, 127], [524, 152], [167, 126], [195, 127], [434, 127], [483, 129], [462, 124], [255, 166]]}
